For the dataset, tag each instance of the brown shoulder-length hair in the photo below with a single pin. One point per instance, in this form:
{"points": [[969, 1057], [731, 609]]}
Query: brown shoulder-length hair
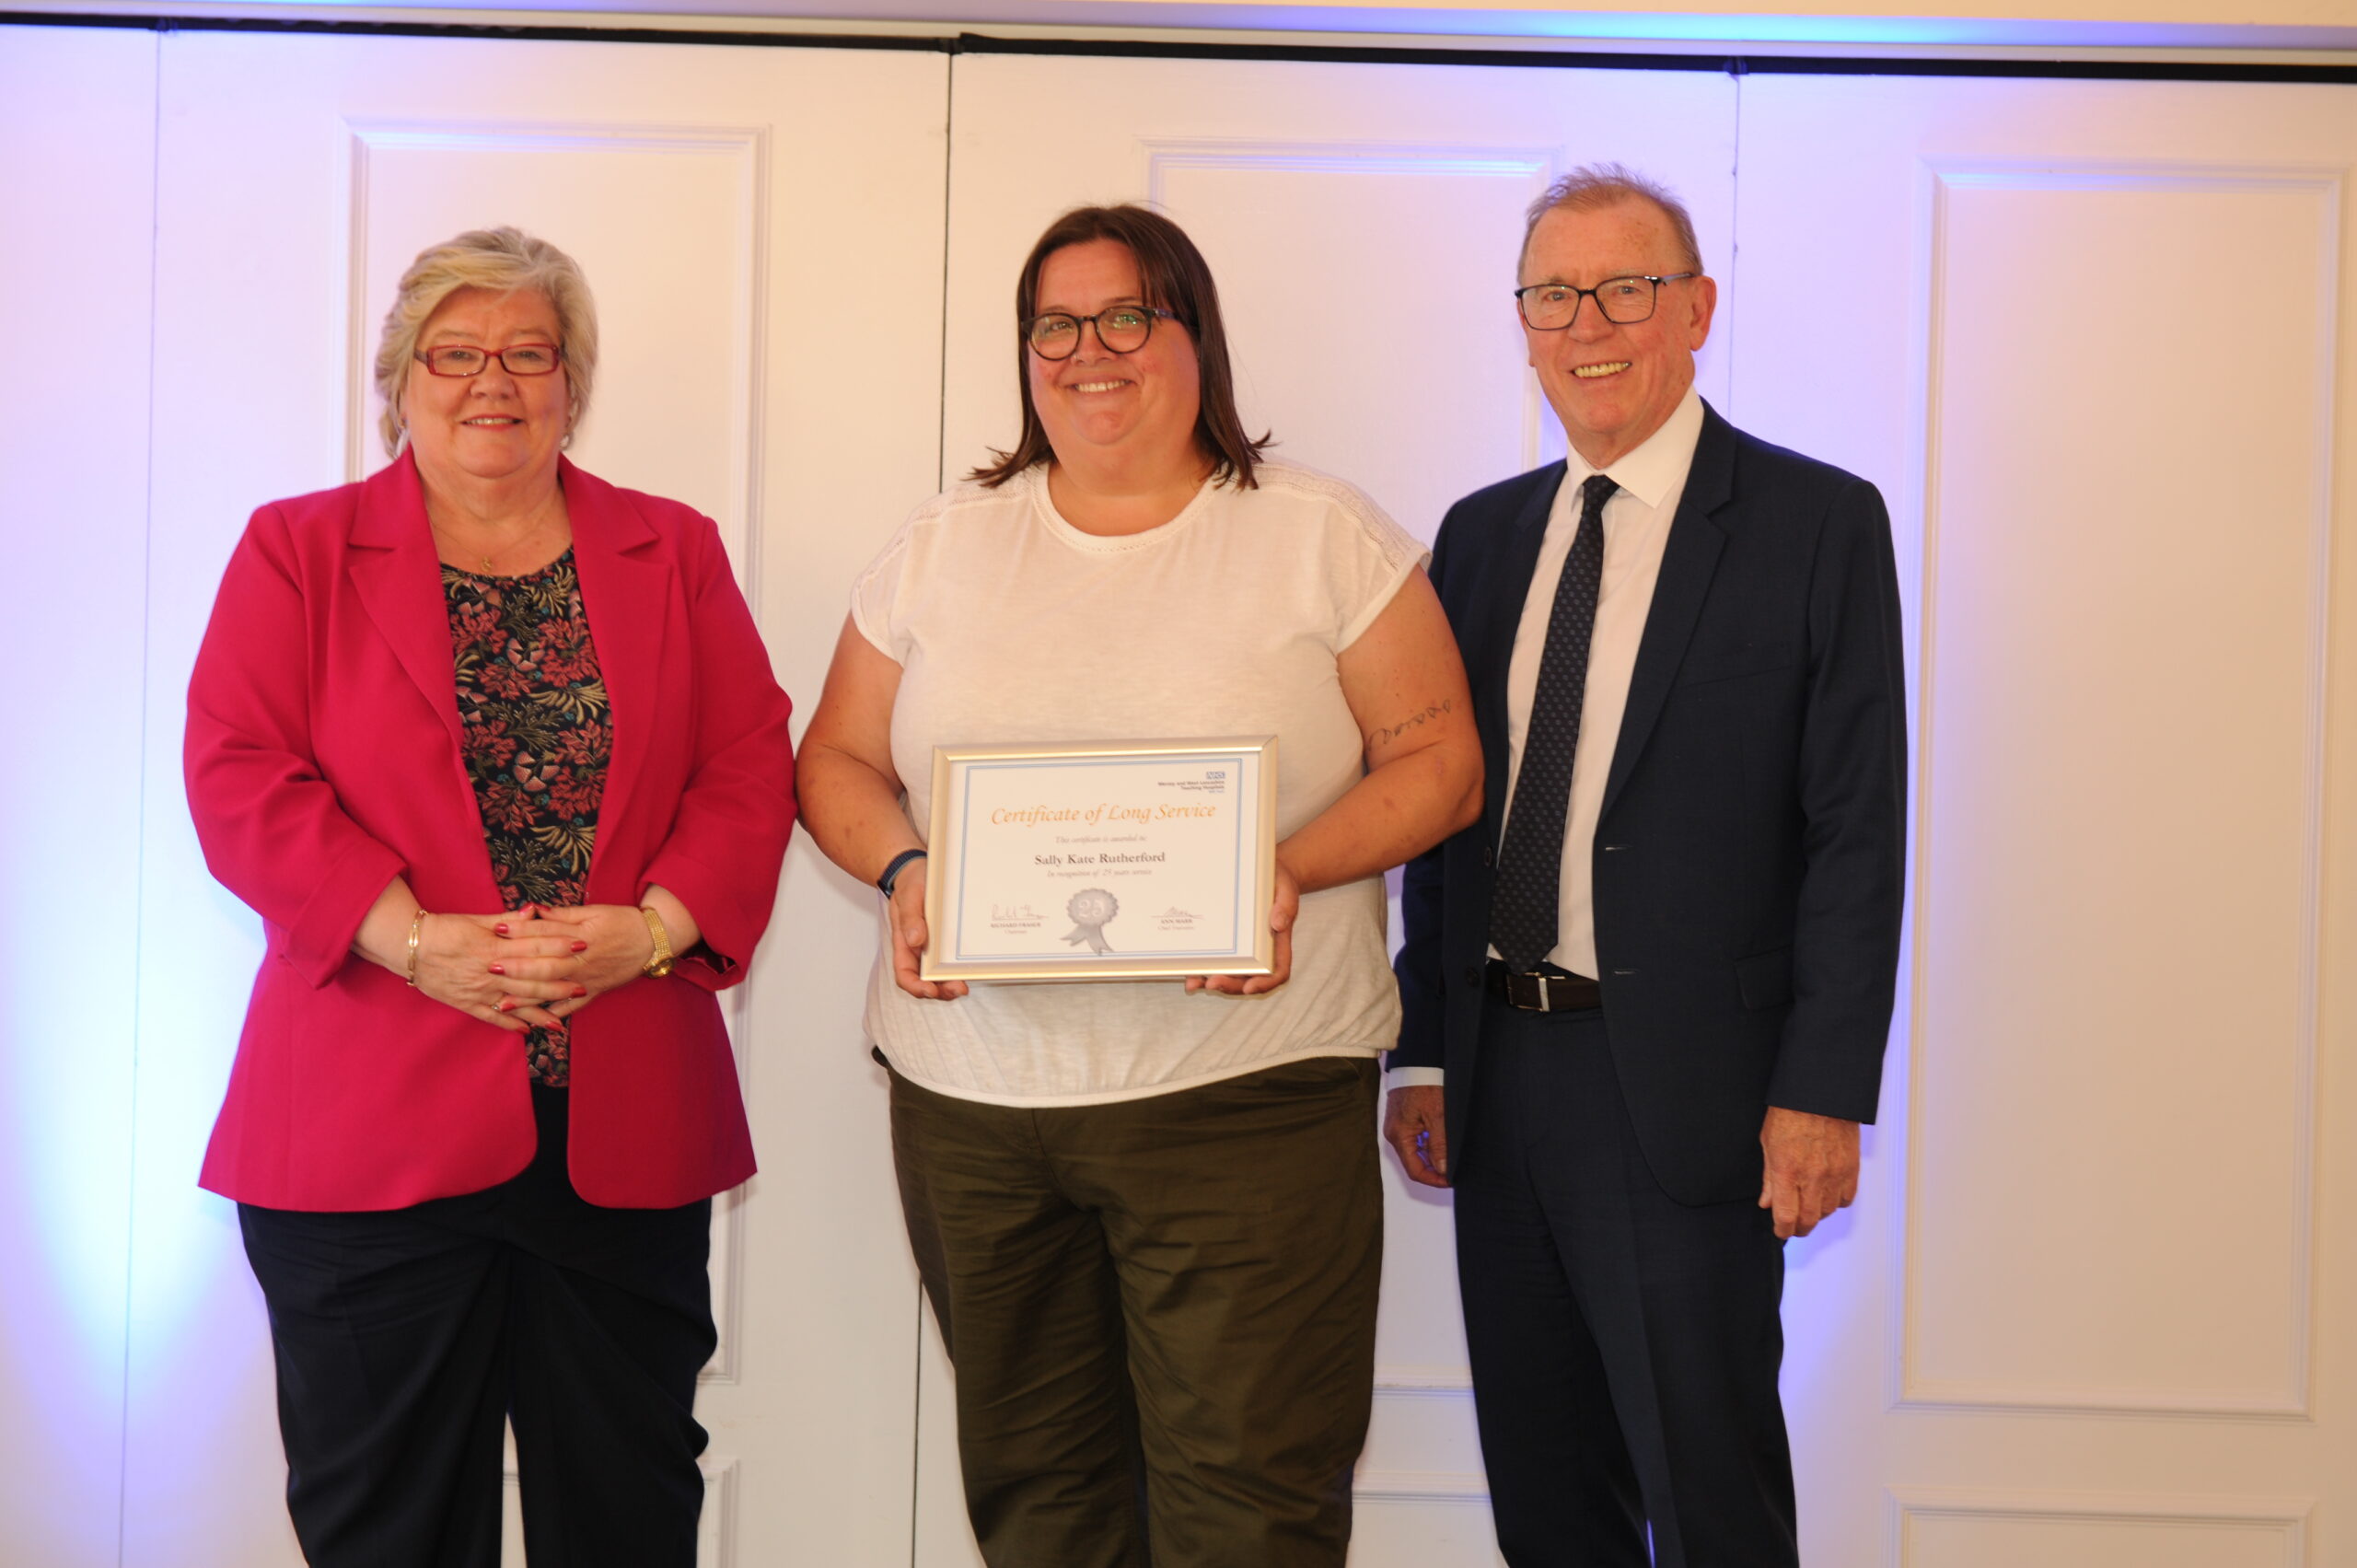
{"points": [[1174, 276]]}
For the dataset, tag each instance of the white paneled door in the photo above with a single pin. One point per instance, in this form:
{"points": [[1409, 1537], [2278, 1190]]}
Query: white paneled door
{"points": [[78, 139], [2093, 340], [1363, 224], [763, 231]]}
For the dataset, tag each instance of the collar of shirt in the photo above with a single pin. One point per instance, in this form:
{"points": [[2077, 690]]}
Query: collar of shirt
{"points": [[1657, 467]]}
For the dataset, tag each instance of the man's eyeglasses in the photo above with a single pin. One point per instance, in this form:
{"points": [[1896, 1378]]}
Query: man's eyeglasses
{"points": [[1123, 329], [1552, 307], [465, 359]]}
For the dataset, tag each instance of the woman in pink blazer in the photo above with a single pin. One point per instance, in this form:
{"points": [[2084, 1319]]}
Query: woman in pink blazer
{"points": [[493, 747]]}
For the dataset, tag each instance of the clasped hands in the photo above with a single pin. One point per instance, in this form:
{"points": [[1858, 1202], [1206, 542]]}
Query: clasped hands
{"points": [[532, 967]]}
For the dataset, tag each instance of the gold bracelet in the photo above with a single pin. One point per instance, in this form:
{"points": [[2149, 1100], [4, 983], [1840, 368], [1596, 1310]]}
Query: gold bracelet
{"points": [[416, 926]]}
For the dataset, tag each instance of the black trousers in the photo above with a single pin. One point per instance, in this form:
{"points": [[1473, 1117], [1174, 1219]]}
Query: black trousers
{"points": [[1624, 1346], [406, 1338]]}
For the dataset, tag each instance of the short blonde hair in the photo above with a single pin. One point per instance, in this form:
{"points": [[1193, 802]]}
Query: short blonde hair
{"points": [[504, 260]]}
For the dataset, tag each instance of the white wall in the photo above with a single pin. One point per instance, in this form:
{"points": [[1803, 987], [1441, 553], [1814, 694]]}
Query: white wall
{"points": [[2093, 1305]]}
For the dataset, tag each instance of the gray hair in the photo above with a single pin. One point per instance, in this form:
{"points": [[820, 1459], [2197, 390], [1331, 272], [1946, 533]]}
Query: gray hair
{"points": [[1595, 185], [504, 259]]}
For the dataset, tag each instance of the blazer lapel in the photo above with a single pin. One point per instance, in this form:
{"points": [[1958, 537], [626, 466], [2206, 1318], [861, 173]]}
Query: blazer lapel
{"points": [[394, 568], [625, 588], [1690, 557], [1493, 650]]}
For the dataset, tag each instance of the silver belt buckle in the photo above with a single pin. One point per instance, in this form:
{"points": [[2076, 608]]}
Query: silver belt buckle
{"points": [[1546, 993]]}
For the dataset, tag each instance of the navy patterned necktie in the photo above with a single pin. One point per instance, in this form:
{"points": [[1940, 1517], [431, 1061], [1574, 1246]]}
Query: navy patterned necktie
{"points": [[1524, 905]]}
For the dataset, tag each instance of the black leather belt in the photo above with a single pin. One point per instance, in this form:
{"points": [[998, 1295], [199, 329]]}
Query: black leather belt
{"points": [[1541, 991]]}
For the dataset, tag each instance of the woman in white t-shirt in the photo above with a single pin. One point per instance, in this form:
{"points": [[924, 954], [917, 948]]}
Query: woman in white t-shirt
{"points": [[1148, 1215]]}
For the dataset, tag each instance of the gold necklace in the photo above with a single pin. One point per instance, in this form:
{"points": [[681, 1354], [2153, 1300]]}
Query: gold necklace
{"points": [[531, 533]]}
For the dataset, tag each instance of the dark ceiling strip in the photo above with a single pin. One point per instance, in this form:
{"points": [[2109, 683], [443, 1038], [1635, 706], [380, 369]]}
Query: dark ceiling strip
{"points": [[1349, 54], [1587, 59], [1555, 58], [2083, 70], [543, 34]]}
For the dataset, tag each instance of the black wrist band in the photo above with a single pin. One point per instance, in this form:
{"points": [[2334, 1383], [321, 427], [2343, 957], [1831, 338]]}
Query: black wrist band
{"points": [[892, 871]]}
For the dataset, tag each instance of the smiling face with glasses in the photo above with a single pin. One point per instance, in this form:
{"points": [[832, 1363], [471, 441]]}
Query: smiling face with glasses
{"points": [[1115, 380], [487, 402], [1612, 313]]}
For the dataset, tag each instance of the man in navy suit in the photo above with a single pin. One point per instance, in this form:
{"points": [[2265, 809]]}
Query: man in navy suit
{"points": [[1646, 995]]}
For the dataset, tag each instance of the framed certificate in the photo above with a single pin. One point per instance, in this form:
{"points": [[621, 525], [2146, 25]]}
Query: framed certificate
{"points": [[1123, 860]]}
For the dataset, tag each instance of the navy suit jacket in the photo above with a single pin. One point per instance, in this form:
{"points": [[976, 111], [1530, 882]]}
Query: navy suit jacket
{"points": [[1748, 858]]}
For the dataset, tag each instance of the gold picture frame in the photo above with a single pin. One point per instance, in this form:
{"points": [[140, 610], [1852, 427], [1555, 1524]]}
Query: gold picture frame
{"points": [[1173, 842]]}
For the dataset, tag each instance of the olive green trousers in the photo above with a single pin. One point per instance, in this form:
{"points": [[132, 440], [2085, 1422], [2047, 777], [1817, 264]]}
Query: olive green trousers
{"points": [[1161, 1313]]}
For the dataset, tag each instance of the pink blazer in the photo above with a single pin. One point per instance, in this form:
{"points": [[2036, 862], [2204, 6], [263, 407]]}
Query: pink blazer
{"points": [[322, 760]]}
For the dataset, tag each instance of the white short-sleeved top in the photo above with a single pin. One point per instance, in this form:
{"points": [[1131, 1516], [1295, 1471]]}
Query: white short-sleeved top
{"points": [[1009, 625]]}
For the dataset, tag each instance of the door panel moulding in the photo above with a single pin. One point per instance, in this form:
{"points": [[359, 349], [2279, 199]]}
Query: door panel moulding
{"points": [[2292, 1402], [1420, 1486], [368, 142], [2282, 1521], [1420, 1384]]}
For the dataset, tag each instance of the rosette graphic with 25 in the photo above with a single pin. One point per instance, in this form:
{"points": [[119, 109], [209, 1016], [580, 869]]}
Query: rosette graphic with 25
{"points": [[1091, 909]]}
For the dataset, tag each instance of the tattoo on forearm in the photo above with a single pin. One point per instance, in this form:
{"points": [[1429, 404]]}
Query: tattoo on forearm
{"points": [[1385, 736]]}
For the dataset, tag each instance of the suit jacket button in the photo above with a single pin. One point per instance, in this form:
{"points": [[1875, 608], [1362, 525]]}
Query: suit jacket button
{"points": [[1473, 974], [1488, 856]]}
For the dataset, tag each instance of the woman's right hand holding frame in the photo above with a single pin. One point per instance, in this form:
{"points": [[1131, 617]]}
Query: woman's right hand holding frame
{"points": [[909, 934]]}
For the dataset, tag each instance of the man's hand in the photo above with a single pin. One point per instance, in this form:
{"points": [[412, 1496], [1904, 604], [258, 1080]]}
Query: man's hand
{"points": [[1415, 1125], [1812, 1167]]}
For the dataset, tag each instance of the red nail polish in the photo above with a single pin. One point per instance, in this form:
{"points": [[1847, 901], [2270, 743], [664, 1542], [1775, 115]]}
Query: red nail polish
{"points": [[581, 990], [507, 1005], [581, 946], [501, 928], [499, 969]]}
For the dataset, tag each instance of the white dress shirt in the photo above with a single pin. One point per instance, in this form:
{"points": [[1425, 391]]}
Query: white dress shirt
{"points": [[1636, 527]]}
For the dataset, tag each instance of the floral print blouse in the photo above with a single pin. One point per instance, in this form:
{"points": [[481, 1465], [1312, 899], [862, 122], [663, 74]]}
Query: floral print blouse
{"points": [[539, 740]]}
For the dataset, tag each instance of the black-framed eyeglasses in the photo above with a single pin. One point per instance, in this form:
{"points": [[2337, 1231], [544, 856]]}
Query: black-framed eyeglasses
{"points": [[465, 359], [1123, 329], [1553, 307]]}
